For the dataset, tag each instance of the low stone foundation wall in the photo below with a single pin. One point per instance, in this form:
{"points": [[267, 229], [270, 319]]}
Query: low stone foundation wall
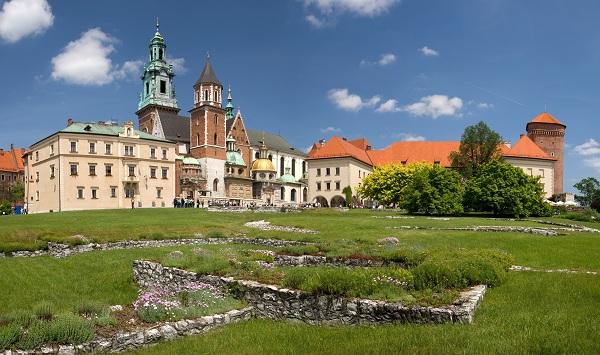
{"points": [[274, 302], [267, 226], [315, 260], [62, 250], [532, 230], [145, 335]]}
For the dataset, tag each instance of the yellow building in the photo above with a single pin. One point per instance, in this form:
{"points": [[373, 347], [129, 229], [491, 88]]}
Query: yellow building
{"points": [[99, 166]]}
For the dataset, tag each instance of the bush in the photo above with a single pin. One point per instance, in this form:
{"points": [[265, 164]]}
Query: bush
{"points": [[23, 318], [9, 334], [433, 190], [5, 208], [37, 334], [408, 257], [44, 310], [298, 250], [70, 329], [89, 308], [215, 234]]}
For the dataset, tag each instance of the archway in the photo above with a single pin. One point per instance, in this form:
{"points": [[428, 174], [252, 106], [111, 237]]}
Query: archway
{"points": [[293, 195], [322, 201], [216, 185], [338, 201]]}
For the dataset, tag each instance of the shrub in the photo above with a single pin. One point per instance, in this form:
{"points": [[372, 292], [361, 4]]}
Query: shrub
{"points": [[44, 310], [407, 257], [433, 190], [89, 308], [37, 334], [299, 250], [215, 234], [9, 334], [70, 329], [23, 318], [5, 208]]}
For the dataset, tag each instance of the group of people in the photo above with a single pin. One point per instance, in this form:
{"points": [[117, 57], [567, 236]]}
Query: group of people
{"points": [[187, 203]]}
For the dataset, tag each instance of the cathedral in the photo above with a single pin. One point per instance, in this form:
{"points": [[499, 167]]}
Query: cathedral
{"points": [[218, 157]]}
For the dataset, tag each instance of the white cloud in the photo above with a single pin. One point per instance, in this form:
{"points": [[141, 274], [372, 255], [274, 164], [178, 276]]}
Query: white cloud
{"points": [[429, 52], [390, 105], [385, 59], [178, 65], [350, 102], [330, 129], [591, 147], [315, 21], [358, 7], [592, 163], [485, 105], [435, 106], [22, 18], [86, 61], [409, 137]]}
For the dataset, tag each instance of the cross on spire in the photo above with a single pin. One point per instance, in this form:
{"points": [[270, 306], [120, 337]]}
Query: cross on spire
{"points": [[157, 24]]}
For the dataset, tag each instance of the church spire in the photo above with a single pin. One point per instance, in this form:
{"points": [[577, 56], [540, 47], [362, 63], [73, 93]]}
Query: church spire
{"points": [[208, 89], [229, 106]]}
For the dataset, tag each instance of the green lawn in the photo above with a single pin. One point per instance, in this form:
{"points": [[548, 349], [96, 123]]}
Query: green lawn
{"points": [[530, 313]]}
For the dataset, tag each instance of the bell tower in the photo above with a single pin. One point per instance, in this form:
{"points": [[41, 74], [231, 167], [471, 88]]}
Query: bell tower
{"points": [[208, 128], [549, 134], [158, 92]]}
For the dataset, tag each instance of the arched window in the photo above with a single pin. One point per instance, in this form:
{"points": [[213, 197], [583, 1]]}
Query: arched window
{"points": [[256, 155], [294, 167], [216, 117], [282, 193], [197, 138], [281, 166], [215, 185], [293, 195], [216, 97], [270, 157], [160, 54], [303, 168], [205, 95], [215, 139]]}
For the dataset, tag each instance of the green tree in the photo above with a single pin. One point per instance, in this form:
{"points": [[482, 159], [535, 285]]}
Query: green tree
{"points": [[17, 192], [5, 208], [503, 189], [347, 191], [385, 184], [589, 188], [434, 190], [479, 144]]}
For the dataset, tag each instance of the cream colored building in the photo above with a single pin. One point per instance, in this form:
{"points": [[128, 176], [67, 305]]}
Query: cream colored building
{"points": [[99, 166], [543, 168]]}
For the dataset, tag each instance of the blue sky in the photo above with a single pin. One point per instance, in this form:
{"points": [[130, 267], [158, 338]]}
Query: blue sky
{"points": [[307, 69]]}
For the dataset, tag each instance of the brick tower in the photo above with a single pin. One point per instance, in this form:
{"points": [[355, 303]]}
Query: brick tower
{"points": [[207, 129], [549, 134]]}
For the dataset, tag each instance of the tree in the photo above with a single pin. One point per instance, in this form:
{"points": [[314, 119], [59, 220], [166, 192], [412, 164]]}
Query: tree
{"points": [[17, 192], [503, 189], [5, 208], [347, 191], [433, 190], [385, 183], [479, 144], [588, 188]]}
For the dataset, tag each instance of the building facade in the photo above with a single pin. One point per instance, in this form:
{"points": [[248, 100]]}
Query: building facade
{"points": [[99, 166], [215, 137], [337, 163]]}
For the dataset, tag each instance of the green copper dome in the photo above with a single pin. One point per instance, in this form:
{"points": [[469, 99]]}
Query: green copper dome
{"points": [[287, 178], [235, 158], [190, 161]]}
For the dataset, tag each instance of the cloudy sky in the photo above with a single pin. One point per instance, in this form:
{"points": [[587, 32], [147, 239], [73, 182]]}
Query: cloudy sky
{"points": [[308, 69]]}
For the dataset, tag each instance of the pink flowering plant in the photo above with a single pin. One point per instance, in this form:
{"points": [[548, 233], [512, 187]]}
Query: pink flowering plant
{"points": [[190, 300]]}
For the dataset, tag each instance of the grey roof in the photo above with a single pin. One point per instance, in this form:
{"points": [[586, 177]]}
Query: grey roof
{"points": [[228, 124], [208, 75], [176, 128], [273, 142]]}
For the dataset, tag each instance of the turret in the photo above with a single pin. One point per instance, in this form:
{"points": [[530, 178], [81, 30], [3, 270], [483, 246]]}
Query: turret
{"points": [[549, 134], [208, 89]]}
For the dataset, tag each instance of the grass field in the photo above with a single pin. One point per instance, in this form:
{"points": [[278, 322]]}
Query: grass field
{"points": [[529, 313]]}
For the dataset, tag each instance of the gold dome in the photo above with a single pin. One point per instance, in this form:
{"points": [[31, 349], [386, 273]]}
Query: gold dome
{"points": [[263, 165]]}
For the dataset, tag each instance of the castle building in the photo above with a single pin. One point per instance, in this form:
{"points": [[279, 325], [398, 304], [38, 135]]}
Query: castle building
{"points": [[216, 151], [338, 163], [12, 170], [99, 166]]}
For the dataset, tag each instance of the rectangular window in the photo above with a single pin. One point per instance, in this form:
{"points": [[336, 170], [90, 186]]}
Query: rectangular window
{"points": [[337, 185], [108, 148], [530, 171], [164, 154], [51, 149], [37, 156], [319, 172], [2, 177], [80, 192], [108, 169], [337, 171], [51, 171], [328, 186], [159, 192], [37, 176], [129, 193], [153, 153], [318, 186], [131, 169], [113, 191], [165, 171], [163, 87], [327, 171], [129, 150], [152, 173], [37, 195], [92, 148], [94, 193], [92, 169], [73, 169], [541, 173], [73, 147]]}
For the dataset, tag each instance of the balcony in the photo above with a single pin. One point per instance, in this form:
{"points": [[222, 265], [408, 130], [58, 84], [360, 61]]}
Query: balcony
{"points": [[131, 178]]}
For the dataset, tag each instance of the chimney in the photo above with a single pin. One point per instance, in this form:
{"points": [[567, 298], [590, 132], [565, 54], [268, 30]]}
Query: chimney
{"points": [[70, 121], [321, 142], [345, 139], [12, 147], [508, 144], [521, 135]]}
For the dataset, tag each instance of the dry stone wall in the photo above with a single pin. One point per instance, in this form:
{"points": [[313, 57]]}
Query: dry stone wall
{"points": [[274, 302]]}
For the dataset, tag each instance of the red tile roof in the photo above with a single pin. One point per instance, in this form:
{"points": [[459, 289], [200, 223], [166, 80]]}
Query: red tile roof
{"points": [[526, 148], [12, 160], [415, 152], [546, 118], [361, 143], [337, 147]]}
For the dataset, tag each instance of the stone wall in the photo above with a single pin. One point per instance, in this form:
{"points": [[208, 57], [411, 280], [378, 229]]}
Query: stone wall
{"points": [[62, 250], [274, 302], [315, 260]]}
